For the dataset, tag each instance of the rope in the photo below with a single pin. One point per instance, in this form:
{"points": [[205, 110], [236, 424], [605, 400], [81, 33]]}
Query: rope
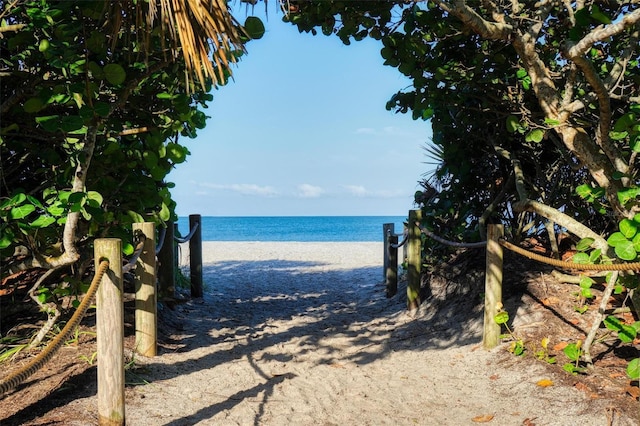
{"points": [[405, 238], [136, 254], [17, 377], [635, 266], [430, 234], [163, 232], [570, 265], [188, 237]]}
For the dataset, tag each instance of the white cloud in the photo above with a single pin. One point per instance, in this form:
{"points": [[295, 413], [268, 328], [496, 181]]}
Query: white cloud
{"points": [[309, 191], [357, 190], [365, 131], [245, 189], [361, 191]]}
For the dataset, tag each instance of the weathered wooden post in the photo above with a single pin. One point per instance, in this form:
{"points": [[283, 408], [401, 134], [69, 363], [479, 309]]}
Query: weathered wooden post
{"points": [[146, 298], [391, 248], [387, 230], [110, 333], [166, 265], [493, 286], [414, 259], [195, 255]]}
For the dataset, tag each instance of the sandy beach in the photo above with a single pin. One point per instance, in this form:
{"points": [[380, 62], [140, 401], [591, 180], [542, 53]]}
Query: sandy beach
{"points": [[302, 334]]}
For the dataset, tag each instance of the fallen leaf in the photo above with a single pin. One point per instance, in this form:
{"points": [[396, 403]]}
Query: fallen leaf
{"points": [[560, 346], [529, 422], [634, 391], [483, 418], [494, 377], [574, 321], [550, 301], [544, 383], [581, 386]]}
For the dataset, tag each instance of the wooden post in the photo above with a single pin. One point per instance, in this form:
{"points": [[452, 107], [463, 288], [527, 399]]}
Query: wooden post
{"points": [[387, 230], [146, 297], [392, 267], [493, 286], [110, 333], [195, 255], [166, 265], [414, 260]]}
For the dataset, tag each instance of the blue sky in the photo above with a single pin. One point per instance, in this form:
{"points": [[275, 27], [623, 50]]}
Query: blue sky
{"points": [[302, 130]]}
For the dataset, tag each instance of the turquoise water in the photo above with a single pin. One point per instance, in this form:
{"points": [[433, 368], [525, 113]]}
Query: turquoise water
{"points": [[293, 228]]}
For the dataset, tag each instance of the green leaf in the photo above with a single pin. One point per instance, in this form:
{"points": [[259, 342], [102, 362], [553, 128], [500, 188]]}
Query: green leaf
{"points": [[633, 369], [102, 109], [616, 238], [572, 351], [33, 105], [628, 194], [512, 124], [176, 153], [623, 123], [586, 282], [21, 212], [597, 14], [254, 27], [501, 318], [136, 217], [535, 136], [625, 250], [580, 258], [71, 123], [114, 74], [16, 200], [5, 241], [95, 196], [128, 249], [43, 221], [49, 123], [584, 244], [521, 73], [626, 333], [628, 227], [165, 213]]}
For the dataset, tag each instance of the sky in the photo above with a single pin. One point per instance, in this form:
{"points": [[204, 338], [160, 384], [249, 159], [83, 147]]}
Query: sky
{"points": [[302, 130]]}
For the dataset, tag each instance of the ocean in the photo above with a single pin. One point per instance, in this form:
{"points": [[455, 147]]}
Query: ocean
{"points": [[294, 228]]}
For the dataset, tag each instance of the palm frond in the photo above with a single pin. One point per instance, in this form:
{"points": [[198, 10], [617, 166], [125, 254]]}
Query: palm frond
{"points": [[202, 32]]}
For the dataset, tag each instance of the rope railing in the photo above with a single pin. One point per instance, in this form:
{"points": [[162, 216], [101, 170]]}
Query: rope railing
{"points": [[189, 236], [136, 254], [405, 238], [168, 259], [632, 266], [161, 234], [14, 379], [493, 276]]}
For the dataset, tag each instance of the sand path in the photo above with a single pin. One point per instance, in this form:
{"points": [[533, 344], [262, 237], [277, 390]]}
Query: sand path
{"points": [[302, 334]]}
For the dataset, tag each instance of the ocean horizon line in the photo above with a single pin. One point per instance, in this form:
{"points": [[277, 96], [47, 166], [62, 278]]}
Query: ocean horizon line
{"points": [[293, 216], [293, 228]]}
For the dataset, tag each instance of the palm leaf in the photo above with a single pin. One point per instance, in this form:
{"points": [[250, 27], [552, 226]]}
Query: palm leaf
{"points": [[201, 32]]}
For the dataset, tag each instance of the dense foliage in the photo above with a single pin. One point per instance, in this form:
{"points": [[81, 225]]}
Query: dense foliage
{"points": [[543, 94], [535, 108], [92, 114], [95, 98]]}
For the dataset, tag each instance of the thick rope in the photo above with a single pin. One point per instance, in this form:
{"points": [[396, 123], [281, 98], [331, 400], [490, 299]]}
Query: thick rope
{"points": [[14, 379], [480, 244], [188, 237], [635, 266]]}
